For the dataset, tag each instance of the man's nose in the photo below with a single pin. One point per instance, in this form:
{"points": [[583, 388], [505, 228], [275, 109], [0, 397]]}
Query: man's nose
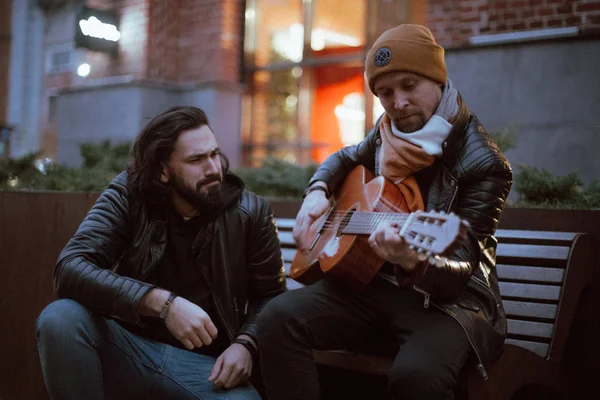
{"points": [[400, 101], [212, 166]]}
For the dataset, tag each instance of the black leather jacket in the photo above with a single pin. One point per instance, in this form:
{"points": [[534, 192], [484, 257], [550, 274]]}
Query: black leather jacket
{"points": [[472, 179], [103, 267]]}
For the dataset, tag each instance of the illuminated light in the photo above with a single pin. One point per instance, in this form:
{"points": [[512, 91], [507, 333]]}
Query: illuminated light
{"points": [[12, 181], [95, 28], [351, 118], [297, 72], [250, 14], [321, 37], [288, 42], [347, 113], [291, 101], [84, 70]]}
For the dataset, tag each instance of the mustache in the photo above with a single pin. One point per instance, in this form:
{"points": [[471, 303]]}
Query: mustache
{"points": [[405, 114], [210, 179]]}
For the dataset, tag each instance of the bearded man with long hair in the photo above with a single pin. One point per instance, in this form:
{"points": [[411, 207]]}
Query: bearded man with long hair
{"points": [[160, 287]]}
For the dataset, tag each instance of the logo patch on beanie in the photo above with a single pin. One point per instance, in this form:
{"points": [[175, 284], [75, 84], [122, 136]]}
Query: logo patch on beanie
{"points": [[383, 56]]}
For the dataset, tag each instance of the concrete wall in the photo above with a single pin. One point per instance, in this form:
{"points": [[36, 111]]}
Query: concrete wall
{"points": [[549, 90], [25, 79], [118, 111], [94, 115], [223, 106], [5, 41]]}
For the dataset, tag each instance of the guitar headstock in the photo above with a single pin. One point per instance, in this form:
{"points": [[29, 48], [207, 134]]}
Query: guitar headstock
{"points": [[433, 234]]}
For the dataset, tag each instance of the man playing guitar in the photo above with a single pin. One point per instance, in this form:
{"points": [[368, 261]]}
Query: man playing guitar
{"points": [[442, 314]]}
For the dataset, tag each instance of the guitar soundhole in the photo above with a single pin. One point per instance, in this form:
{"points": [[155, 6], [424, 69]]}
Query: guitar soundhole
{"points": [[344, 222]]}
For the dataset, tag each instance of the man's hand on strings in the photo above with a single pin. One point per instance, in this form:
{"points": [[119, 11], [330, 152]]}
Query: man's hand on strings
{"points": [[314, 206]]}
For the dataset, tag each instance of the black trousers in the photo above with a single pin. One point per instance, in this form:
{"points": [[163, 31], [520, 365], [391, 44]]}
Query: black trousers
{"points": [[326, 315]]}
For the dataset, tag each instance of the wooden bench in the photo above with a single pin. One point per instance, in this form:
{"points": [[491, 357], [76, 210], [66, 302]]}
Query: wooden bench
{"points": [[541, 276]]}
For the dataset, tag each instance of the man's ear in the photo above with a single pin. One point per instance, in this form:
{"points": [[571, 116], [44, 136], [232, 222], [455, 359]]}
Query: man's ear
{"points": [[164, 175]]}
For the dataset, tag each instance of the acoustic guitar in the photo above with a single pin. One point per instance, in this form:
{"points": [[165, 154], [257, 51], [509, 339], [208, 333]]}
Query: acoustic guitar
{"points": [[339, 239]]}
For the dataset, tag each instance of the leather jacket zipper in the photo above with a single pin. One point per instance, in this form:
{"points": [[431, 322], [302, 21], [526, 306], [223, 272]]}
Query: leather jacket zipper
{"points": [[452, 198], [480, 367], [426, 304], [228, 329], [425, 294]]}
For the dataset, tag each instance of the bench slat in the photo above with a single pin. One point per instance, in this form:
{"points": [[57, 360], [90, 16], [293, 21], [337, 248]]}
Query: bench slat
{"points": [[285, 223], [540, 349], [528, 328], [524, 309], [288, 254], [529, 291], [511, 234], [286, 239], [531, 274], [532, 251]]}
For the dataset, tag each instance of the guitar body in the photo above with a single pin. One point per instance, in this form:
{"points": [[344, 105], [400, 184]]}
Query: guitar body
{"points": [[347, 257]]}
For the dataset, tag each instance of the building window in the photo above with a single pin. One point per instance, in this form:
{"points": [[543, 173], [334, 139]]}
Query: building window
{"points": [[303, 63], [59, 59]]}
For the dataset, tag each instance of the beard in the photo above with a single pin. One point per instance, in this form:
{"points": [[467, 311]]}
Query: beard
{"points": [[409, 123], [211, 197]]}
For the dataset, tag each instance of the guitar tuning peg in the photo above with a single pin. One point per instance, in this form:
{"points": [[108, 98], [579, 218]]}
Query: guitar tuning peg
{"points": [[422, 257]]}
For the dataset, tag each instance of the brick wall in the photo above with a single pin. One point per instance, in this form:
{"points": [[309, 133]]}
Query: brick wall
{"points": [[172, 41], [454, 21], [194, 40]]}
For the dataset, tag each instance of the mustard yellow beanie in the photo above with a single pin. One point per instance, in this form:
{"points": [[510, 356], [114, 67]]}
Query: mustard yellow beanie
{"points": [[408, 48]]}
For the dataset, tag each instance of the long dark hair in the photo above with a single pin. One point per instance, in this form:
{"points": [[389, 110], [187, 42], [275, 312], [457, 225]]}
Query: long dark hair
{"points": [[153, 148]]}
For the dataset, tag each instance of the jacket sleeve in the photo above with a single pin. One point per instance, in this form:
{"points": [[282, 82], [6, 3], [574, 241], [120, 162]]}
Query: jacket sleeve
{"points": [[335, 168], [83, 270], [266, 275], [481, 197]]}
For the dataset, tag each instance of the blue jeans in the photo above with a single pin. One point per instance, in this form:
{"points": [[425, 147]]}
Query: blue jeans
{"points": [[86, 356]]}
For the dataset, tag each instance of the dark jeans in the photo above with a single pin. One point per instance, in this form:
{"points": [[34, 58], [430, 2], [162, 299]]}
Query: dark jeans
{"points": [[85, 356], [433, 346]]}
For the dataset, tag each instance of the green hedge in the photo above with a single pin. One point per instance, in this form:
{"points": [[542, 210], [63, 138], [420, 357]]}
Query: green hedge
{"points": [[280, 179], [538, 188], [101, 162], [277, 178]]}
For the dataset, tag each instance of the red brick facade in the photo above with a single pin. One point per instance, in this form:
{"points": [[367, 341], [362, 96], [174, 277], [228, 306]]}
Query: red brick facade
{"points": [[454, 21], [177, 41], [185, 41]]}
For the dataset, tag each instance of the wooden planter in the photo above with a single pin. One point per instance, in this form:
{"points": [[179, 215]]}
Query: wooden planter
{"points": [[34, 227]]}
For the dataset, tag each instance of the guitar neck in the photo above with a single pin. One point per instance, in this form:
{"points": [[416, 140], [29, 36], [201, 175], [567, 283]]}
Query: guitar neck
{"points": [[365, 222]]}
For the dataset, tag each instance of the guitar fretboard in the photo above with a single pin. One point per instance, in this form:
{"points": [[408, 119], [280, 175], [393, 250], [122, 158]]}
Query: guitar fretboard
{"points": [[365, 222]]}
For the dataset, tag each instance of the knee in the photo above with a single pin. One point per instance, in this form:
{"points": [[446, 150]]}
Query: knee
{"points": [[278, 314], [61, 319], [416, 380], [274, 312]]}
